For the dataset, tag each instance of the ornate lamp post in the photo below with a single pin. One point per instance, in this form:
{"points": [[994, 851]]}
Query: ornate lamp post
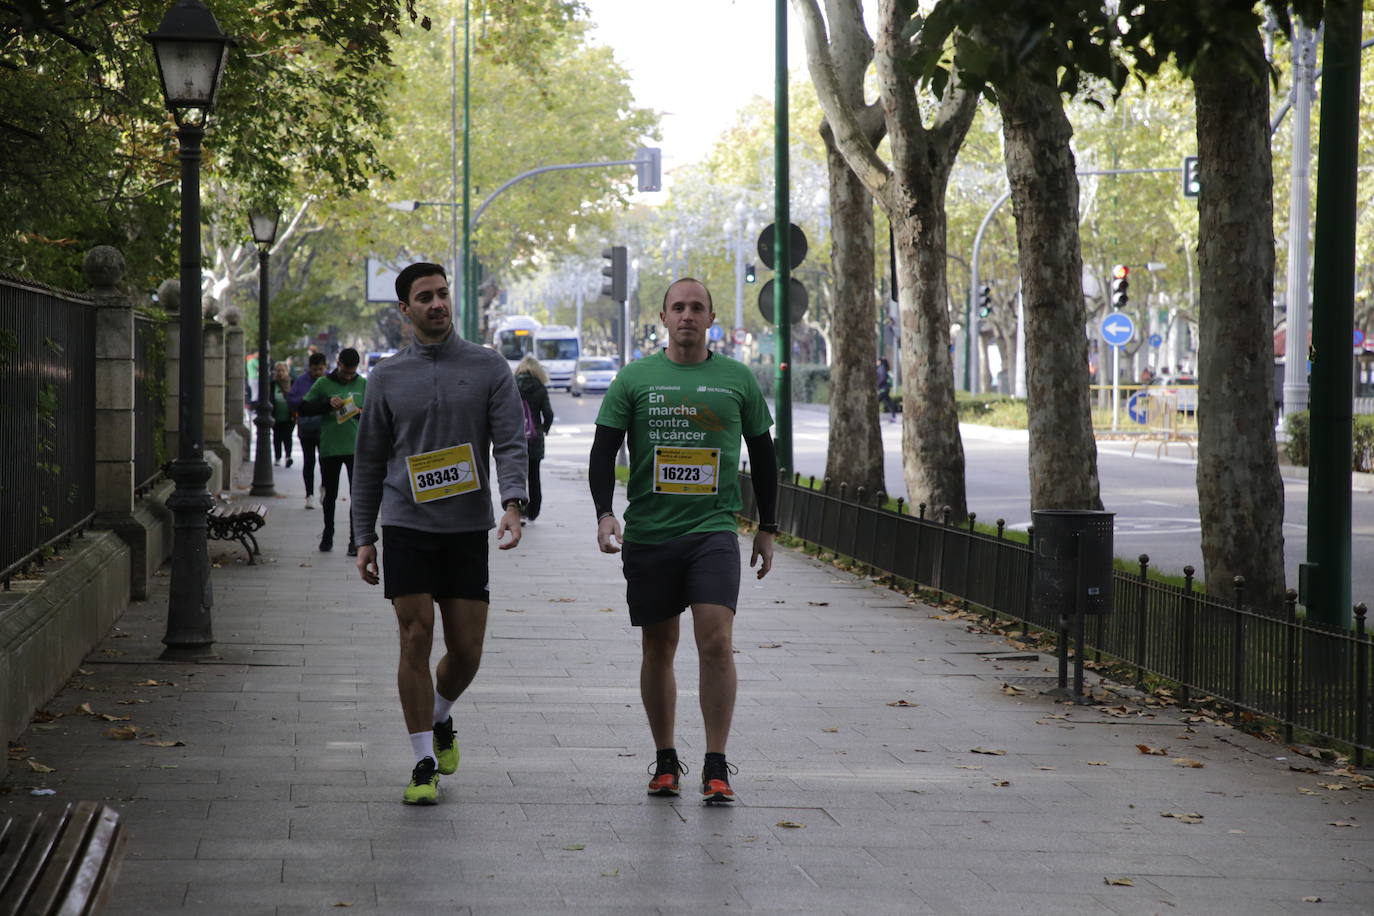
{"points": [[191, 53], [264, 233]]}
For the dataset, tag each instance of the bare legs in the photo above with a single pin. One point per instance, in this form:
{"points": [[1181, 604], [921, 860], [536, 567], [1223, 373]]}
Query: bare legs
{"points": [[712, 626], [465, 624]]}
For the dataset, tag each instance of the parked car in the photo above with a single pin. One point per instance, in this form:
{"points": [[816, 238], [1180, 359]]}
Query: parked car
{"points": [[1183, 387], [594, 373]]}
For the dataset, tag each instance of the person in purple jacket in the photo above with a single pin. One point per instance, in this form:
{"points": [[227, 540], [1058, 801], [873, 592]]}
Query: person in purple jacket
{"points": [[307, 428]]}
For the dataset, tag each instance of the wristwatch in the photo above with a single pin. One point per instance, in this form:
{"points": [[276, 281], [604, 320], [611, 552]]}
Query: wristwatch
{"points": [[515, 501], [770, 527]]}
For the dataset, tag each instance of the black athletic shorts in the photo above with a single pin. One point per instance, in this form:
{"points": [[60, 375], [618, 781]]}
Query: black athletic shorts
{"points": [[440, 565], [661, 580]]}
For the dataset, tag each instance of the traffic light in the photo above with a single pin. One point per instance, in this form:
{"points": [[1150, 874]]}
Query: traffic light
{"points": [[1192, 181], [749, 273], [649, 168], [985, 302], [1121, 285], [615, 287]]}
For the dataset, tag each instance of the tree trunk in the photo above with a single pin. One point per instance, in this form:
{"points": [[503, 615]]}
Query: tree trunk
{"points": [[932, 450], [1240, 492], [855, 449], [1044, 197]]}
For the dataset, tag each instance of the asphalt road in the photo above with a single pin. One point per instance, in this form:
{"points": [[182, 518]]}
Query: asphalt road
{"points": [[1154, 498]]}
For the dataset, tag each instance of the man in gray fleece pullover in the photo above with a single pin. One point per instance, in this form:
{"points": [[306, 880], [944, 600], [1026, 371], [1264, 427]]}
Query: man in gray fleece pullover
{"points": [[434, 414]]}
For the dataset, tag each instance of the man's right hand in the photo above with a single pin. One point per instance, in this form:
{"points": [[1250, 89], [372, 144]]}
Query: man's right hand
{"points": [[608, 535], [367, 563]]}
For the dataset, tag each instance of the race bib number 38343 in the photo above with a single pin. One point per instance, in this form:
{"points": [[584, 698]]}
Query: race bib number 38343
{"points": [[691, 471], [442, 473]]}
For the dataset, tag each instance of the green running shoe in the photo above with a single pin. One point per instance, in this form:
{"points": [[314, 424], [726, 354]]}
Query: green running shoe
{"points": [[424, 784], [446, 747]]}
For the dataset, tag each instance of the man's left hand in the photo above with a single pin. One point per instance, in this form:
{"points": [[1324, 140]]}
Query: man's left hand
{"points": [[763, 550], [509, 524]]}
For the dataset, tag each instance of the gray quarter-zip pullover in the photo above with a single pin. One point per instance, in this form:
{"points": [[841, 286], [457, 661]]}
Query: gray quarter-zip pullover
{"points": [[433, 417]]}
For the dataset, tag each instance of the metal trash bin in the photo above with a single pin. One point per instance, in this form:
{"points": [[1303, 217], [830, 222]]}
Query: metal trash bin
{"points": [[1073, 550]]}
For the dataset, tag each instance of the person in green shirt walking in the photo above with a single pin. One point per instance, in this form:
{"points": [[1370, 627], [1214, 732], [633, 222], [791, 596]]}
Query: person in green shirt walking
{"points": [[685, 410], [338, 398]]}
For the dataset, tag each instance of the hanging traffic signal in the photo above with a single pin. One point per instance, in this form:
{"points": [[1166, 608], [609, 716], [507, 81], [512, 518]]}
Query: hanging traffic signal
{"points": [[1192, 180], [614, 287], [750, 275], [1121, 285], [985, 302]]}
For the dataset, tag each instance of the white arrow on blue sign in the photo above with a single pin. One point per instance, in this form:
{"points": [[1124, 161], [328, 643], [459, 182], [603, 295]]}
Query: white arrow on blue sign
{"points": [[1118, 329], [716, 332], [1156, 340]]}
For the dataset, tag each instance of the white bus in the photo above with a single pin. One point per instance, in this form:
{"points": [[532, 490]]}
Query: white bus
{"points": [[557, 348], [514, 338]]}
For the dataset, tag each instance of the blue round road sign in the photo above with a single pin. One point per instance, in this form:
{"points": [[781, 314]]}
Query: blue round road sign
{"points": [[1156, 340], [716, 332], [1117, 329]]}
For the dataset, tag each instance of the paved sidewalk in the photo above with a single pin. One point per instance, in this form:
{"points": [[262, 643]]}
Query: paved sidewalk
{"points": [[861, 789]]}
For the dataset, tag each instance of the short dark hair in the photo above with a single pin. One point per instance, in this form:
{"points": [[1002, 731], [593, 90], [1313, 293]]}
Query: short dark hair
{"points": [[318, 359], [709, 304], [349, 357], [407, 277]]}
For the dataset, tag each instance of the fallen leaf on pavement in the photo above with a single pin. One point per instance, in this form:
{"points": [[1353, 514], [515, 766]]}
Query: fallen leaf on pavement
{"points": [[1303, 790], [1012, 691], [967, 766], [1098, 763], [122, 732], [987, 750], [1155, 751], [790, 824], [1345, 823], [575, 847], [562, 600], [1119, 882], [1191, 817], [831, 730], [1188, 762], [1311, 900], [819, 603], [1001, 782], [40, 768], [163, 743], [771, 645], [1045, 768], [1333, 786], [152, 683], [86, 709], [903, 703]]}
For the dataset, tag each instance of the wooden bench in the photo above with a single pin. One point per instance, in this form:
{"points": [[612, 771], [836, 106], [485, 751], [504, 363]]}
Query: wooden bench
{"points": [[237, 523], [59, 862]]}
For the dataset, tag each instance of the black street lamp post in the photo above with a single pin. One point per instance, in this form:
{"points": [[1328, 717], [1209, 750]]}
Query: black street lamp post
{"points": [[264, 233], [191, 51]]}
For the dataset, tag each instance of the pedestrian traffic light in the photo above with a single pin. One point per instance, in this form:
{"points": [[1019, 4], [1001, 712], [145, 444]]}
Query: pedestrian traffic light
{"points": [[985, 302], [615, 286], [1192, 181], [1121, 285], [750, 275]]}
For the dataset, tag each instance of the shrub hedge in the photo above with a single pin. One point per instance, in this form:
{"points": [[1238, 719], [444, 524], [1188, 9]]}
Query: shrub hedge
{"points": [[1298, 449]]}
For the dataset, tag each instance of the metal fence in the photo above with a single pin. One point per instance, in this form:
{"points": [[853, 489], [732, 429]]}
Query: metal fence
{"points": [[47, 419], [1271, 664], [150, 387]]}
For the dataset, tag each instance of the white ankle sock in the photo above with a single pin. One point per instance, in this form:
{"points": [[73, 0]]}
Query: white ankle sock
{"points": [[442, 707], [422, 743]]}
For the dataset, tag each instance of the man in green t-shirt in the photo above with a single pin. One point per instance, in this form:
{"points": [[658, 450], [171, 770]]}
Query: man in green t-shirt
{"points": [[338, 397], [685, 409]]}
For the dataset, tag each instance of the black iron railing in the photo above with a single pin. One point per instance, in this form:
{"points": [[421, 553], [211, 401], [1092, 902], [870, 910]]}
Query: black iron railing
{"points": [[150, 393], [1272, 664], [47, 420]]}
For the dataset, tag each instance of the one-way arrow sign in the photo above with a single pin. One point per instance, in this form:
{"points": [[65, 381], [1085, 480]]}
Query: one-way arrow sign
{"points": [[1117, 329]]}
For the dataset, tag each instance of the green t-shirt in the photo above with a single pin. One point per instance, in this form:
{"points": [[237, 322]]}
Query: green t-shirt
{"points": [[684, 423], [338, 428]]}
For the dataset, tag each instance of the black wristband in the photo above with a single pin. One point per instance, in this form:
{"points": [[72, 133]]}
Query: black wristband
{"points": [[769, 527]]}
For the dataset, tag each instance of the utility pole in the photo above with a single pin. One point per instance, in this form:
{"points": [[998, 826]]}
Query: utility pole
{"points": [[1299, 211]]}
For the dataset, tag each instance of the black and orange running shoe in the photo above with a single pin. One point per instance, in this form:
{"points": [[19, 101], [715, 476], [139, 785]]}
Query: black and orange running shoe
{"points": [[715, 780], [665, 773]]}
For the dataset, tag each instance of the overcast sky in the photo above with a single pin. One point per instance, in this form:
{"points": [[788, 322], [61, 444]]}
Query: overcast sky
{"points": [[697, 63]]}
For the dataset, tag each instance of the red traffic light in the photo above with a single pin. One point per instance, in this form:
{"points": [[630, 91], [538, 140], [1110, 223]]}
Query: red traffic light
{"points": [[1120, 272]]}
